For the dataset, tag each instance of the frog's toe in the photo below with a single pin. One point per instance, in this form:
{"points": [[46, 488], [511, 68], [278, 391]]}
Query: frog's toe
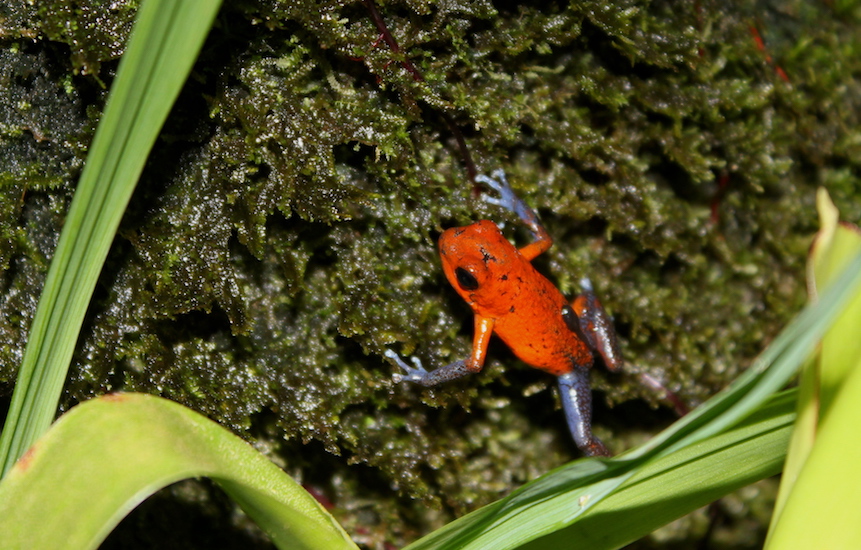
{"points": [[492, 181], [411, 374], [499, 183]]}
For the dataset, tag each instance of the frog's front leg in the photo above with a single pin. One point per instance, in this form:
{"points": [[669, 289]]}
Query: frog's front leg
{"points": [[452, 371], [577, 404], [419, 375]]}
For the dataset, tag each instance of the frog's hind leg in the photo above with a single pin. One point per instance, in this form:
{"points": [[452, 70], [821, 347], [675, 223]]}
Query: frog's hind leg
{"points": [[577, 403], [597, 327]]}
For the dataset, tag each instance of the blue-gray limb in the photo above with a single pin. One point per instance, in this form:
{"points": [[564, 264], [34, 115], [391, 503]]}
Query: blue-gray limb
{"points": [[419, 375], [577, 404], [508, 200]]}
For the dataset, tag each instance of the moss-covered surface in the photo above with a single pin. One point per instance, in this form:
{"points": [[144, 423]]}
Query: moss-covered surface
{"points": [[283, 235]]}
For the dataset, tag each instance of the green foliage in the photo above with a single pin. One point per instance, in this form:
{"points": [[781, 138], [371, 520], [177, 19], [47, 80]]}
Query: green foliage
{"points": [[693, 477]]}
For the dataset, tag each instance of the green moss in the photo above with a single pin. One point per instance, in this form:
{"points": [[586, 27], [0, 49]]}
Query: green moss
{"points": [[283, 235]]}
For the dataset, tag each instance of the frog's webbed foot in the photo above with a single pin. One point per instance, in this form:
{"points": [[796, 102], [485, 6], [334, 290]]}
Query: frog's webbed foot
{"points": [[419, 375], [511, 202], [413, 374], [507, 199]]}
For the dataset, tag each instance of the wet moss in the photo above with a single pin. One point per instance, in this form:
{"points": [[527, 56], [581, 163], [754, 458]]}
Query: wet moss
{"points": [[283, 235]]}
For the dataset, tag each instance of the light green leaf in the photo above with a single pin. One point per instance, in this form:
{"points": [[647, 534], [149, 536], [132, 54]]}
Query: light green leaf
{"points": [[107, 455], [684, 481], [820, 494]]}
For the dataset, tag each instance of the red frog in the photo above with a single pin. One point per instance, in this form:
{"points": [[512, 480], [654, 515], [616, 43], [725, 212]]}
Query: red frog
{"points": [[511, 298]]}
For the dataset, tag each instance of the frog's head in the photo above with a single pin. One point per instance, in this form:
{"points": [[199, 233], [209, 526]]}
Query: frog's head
{"points": [[475, 260]]}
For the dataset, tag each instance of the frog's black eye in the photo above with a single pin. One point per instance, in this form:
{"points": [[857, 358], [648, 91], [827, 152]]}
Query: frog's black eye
{"points": [[465, 279]]}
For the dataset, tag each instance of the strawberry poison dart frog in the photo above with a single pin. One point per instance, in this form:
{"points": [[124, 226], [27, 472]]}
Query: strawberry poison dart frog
{"points": [[509, 297]]}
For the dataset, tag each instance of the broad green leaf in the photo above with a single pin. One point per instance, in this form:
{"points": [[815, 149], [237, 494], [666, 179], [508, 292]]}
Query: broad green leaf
{"points": [[104, 457], [165, 41], [820, 493], [808, 397]]}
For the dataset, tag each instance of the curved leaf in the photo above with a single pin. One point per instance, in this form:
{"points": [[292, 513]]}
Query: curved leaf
{"points": [[820, 492], [680, 483], [105, 456]]}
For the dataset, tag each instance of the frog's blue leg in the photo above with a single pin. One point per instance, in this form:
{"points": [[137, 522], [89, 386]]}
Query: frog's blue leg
{"points": [[577, 403], [507, 199], [597, 327], [419, 375]]}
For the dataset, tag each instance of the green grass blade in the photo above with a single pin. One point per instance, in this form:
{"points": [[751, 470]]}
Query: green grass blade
{"points": [[165, 41], [107, 455], [563, 496], [682, 482]]}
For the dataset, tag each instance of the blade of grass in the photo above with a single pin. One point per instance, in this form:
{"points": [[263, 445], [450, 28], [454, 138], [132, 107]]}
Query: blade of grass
{"points": [[681, 482], [165, 41], [561, 497], [107, 455]]}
